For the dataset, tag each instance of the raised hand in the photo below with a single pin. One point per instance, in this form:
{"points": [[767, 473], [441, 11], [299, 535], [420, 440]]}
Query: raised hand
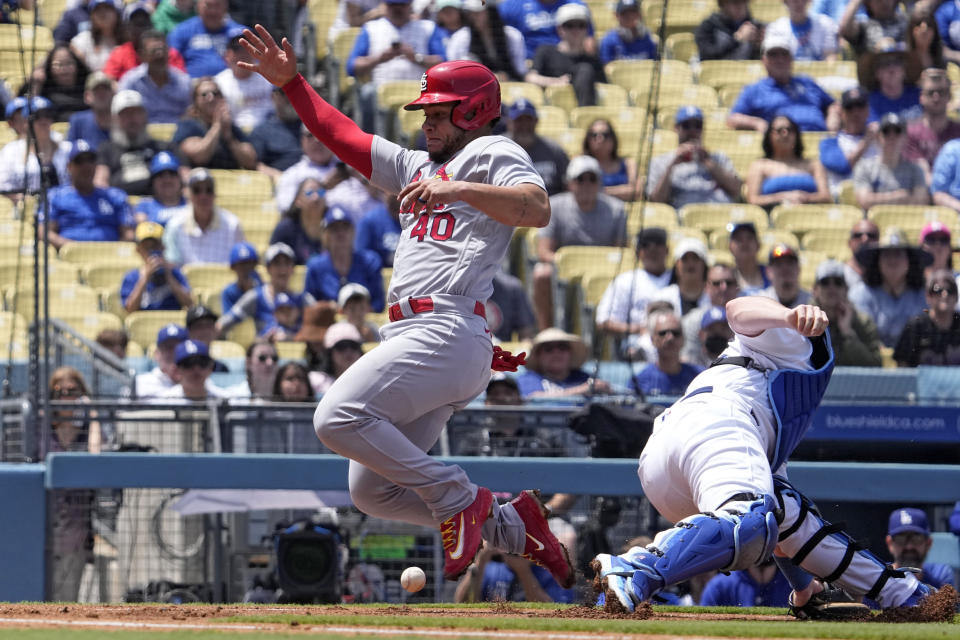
{"points": [[278, 65]]}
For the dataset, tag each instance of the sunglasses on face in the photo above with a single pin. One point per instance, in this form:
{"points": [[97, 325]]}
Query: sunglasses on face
{"points": [[936, 239], [263, 357], [603, 135], [939, 93], [720, 283], [869, 235], [691, 124], [835, 281], [938, 290], [67, 392], [784, 129], [347, 345], [676, 333], [313, 192], [194, 362], [887, 131], [587, 177]]}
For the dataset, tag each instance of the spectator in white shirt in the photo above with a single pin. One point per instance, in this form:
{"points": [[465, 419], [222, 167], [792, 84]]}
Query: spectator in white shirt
{"points": [[318, 162], [164, 376], [201, 231], [814, 33], [247, 93]]}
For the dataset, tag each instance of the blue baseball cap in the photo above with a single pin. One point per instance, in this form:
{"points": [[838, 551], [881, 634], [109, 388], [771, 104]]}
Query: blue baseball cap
{"points": [[96, 3], [190, 348], [79, 148], [163, 161], [688, 113], [16, 105], [284, 299], [39, 103], [171, 332], [242, 252], [521, 107], [336, 213], [713, 315], [908, 520]]}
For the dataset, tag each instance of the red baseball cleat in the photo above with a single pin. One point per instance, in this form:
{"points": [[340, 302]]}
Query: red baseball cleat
{"points": [[461, 535], [542, 547]]}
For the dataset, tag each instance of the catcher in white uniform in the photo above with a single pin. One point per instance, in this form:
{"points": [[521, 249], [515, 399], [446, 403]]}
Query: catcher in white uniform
{"points": [[460, 202], [716, 465]]}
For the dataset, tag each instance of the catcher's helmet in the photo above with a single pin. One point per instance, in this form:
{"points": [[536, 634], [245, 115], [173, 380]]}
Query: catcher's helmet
{"points": [[470, 84]]}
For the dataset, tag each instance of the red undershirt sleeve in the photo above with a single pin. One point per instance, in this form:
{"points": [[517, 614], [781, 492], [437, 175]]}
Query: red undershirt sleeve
{"points": [[348, 142]]}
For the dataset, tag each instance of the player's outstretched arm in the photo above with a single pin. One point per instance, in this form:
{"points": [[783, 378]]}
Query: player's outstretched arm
{"points": [[278, 64], [522, 205], [752, 315]]}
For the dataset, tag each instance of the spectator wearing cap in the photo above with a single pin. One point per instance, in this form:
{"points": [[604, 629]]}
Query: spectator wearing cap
{"points": [[927, 134], [201, 322], [124, 160], [549, 158], [93, 124], [815, 34], [243, 263], [687, 290], [164, 375], [207, 136], [81, 211], [317, 162], [853, 335], [165, 86], [343, 345], [393, 47], [130, 54], [631, 40], [935, 239], [891, 93], [730, 33], [301, 226], [61, 80], [553, 368], [15, 115], [744, 245], [379, 230], [933, 336], [341, 263], [572, 60], [170, 13], [622, 310], [201, 231], [166, 191], [892, 290], [908, 541], [721, 288], [276, 137], [353, 302], [73, 20], [19, 165], [692, 174], [784, 269], [157, 285], [259, 303], [580, 216], [618, 173], [889, 178], [536, 20], [486, 39], [248, 94], [713, 336], [863, 233], [783, 93], [286, 320], [855, 141], [667, 375], [202, 39], [95, 44], [194, 366], [783, 175]]}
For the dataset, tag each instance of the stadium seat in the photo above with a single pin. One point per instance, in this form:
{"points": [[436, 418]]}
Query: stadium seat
{"points": [[832, 242], [807, 217], [602, 16], [142, 326], [162, 131], [210, 276], [396, 93], [89, 325], [7, 214], [66, 301], [225, 349], [513, 91], [111, 302], [611, 95], [14, 233], [85, 253], [675, 96], [241, 186], [675, 235], [729, 93], [322, 14], [258, 237], [811, 143], [561, 96], [643, 215], [720, 256], [386, 273], [621, 118], [766, 12], [809, 261], [341, 47], [681, 15], [638, 74], [711, 217], [243, 333], [830, 71], [409, 124], [107, 276], [16, 39], [911, 216], [551, 117], [569, 139], [718, 73], [681, 46], [292, 350], [17, 349], [720, 239], [576, 261], [732, 142], [58, 273]]}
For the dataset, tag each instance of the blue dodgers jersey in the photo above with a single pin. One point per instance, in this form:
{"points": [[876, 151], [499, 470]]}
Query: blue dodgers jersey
{"points": [[97, 216]]}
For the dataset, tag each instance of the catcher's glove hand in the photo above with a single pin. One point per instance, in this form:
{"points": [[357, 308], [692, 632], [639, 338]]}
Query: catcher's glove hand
{"points": [[505, 361], [832, 603]]}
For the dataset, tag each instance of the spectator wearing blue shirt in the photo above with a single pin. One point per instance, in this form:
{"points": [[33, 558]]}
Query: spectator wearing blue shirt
{"points": [[891, 93], [760, 586], [93, 124], [72, 22], [667, 375], [202, 39], [908, 541], [631, 40], [553, 368], [947, 16], [783, 93], [302, 225], [854, 141], [243, 263], [341, 263], [83, 212], [379, 231], [166, 90], [286, 320], [945, 183], [166, 188], [157, 285], [449, 20], [535, 20]]}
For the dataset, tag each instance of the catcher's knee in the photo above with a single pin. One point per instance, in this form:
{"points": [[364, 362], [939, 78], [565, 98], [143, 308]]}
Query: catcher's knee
{"points": [[754, 533]]}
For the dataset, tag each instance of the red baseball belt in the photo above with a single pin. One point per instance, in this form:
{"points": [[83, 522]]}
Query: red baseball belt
{"points": [[426, 305]]}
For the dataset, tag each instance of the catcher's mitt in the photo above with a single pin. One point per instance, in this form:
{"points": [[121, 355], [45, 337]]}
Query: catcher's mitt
{"points": [[832, 603]]}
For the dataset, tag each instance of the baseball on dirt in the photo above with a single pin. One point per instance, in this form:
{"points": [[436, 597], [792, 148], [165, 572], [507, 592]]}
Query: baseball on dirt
{"points": [[412, 579]]}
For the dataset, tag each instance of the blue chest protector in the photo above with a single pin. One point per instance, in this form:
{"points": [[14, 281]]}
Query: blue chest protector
{"points": [[795, 395]]}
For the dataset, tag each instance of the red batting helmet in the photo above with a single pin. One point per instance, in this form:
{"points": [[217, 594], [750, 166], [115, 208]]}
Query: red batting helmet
{"points": [[470, 84]]}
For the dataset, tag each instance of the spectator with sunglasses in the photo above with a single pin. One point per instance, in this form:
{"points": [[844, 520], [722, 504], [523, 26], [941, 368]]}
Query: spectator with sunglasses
{"points": [[580, 216], [863, 233], [343, 345], [855, 141], [301, 227], [261, 370], [572, 61], [935, 240], [783, 175], [619, 173], [699, 345], [933, 336], [927, 134], [194, 366], [208, 136], [889, 178], [553, 368], [667, 375], [854, 336], [201, 231], [691, 174]]}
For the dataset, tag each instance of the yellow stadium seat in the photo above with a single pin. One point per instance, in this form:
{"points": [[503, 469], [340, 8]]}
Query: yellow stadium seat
{"points": [[807, 217], [729, 93], [100, 252], [26, 38], [17, 349], [809, 261], [766, 11], [244, 333], [717, 73], [569, 139], [111, 302], [58, 273], [719, 239], [811, 143], [819, 69], [576, 261], [213, 277], [143, 326], [409, 123], [510, 92], [911, 216], [298, 278], [226, 349], [561, 96], [620, 117], [677, 234], [675, 96], [734, 142], [847, 193], [50, 11], [107, 276], [341, 47], [602, 16], [720, 256], [238, 185], [162, 131], [91, 324], [636, 74], [396, 93], [66, 300], [681, 46], [593, 285], [832, 242], [649, 214], [711, 217], [611, 95], [551, 117], [134, 350], [10, 321], [259, 238], [322, 14], [681, 16], [291, 350]]}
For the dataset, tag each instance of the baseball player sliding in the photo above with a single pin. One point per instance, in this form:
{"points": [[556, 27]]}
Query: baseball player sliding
{"points": [[716, 465], [459, 204]]}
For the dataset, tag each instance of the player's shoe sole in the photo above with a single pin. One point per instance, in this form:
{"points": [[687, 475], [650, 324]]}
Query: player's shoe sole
{"points": [[832, 603], [540, 545], [461, 535]]}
